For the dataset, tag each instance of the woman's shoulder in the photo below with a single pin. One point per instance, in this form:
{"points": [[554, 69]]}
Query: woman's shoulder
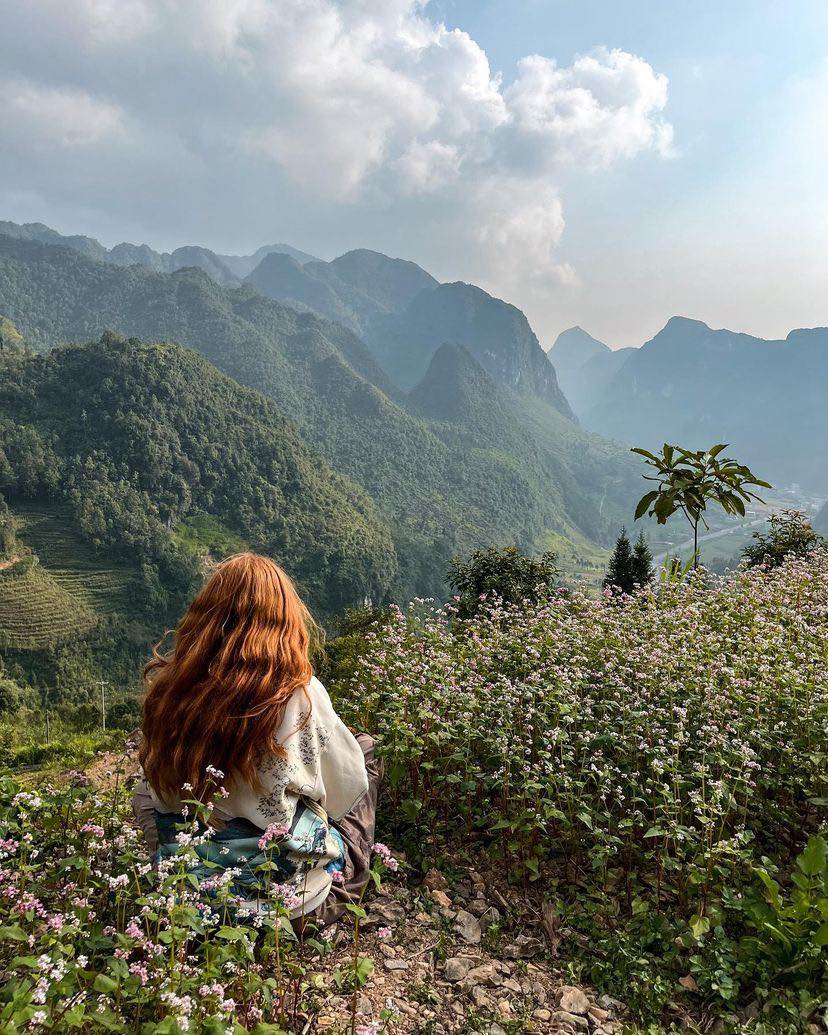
{"points": [[310, 704]]}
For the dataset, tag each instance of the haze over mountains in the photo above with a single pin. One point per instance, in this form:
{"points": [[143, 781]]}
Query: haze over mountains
{"points": [[695, 385]]}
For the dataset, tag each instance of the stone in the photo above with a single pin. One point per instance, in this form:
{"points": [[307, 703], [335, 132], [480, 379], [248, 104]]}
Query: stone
{"points": [[541, 1015], [441, 898], [512, 986], [478, 994], [608, 1003], [364, 1006], [468, 927], [435, 881], [504, 1008], [573, 1000], [393, 912], [388, 950], [522, 948], [396, 964], [478, 906], [598, 1015], [458, 967], [485, 974], [575, 1020]]}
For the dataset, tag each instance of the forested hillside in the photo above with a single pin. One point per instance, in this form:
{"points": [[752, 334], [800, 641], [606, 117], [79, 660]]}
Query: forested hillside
{"points": [[437, 499], [122, 464], [137, 438]]}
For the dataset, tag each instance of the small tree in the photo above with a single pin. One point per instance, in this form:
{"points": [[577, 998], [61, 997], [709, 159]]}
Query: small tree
{"points": [[506, 573], [790, 534], [690, 479], [642, 561], [620, 571]]}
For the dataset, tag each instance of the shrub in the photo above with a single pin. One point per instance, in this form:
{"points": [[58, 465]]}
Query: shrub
{"points": [[790, 535], [507, 574]]}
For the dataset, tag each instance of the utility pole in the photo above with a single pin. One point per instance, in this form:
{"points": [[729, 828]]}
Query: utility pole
{"points": [[103, 684], [46, 711]]}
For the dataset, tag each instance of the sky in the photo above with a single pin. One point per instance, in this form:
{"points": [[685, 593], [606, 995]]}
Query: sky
{"points": [[596, 163]]}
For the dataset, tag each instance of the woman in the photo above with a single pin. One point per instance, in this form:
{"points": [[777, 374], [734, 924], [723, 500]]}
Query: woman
{"points": [[234, 716]]}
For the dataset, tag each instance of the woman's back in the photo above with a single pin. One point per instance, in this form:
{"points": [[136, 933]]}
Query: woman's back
{"points": [[234, 718]]}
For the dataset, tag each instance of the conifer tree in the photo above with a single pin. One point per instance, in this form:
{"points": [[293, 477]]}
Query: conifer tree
{"points": [[642, 561], [620, 570]]}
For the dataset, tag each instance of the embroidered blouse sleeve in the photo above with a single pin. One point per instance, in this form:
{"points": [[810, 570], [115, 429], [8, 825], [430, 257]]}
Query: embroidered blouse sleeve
{"points": [[342, 779]]}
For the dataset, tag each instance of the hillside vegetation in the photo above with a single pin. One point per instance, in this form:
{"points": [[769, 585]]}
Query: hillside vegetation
{"points": [[36, 611], [134, 439], [226, 269]]}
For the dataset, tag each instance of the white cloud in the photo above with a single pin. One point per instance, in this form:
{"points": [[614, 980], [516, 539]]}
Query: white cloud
{"points": [[603, 107], [45, 117], [259, 113]]}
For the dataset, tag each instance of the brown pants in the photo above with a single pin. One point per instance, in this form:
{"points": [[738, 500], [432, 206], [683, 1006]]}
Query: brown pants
{"points": [[356, 829]]}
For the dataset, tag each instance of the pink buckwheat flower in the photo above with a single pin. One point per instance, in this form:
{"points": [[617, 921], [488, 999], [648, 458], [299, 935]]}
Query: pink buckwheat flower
{"points": [[384, 852], [275, 832]]}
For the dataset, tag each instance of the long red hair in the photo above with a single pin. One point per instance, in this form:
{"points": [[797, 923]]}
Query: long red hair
{"points": [[219, 696]]}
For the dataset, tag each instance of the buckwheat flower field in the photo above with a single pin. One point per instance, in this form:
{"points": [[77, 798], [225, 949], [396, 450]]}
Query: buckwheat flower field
{"points": [[652, 761]]}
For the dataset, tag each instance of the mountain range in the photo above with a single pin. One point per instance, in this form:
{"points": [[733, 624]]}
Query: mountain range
{"points": [[444, 479], [225, 269], [695, 385], [403, 314]]}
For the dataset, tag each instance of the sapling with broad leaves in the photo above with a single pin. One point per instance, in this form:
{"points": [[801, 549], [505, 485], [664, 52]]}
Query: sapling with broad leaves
{"points": [[688, 480]]}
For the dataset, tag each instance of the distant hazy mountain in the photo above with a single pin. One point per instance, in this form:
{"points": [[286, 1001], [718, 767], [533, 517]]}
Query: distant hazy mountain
{"points": [[404, 315], [696, 386], [821, 521], [584, 366], [497, 334], [356, 289], [241, 265], [225, 269]]}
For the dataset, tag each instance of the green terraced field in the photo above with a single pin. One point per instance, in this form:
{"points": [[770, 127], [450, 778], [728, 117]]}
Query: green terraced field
{"points": [[105, 586], [36, 611]]}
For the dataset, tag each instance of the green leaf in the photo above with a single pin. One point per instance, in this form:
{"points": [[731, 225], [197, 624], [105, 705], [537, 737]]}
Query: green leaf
{"points": [[15, 933], [644, 503], [821, 935], [699, 925], [231, 934], [104, 983], [812, 860], [654, 832], [363, 970]]}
